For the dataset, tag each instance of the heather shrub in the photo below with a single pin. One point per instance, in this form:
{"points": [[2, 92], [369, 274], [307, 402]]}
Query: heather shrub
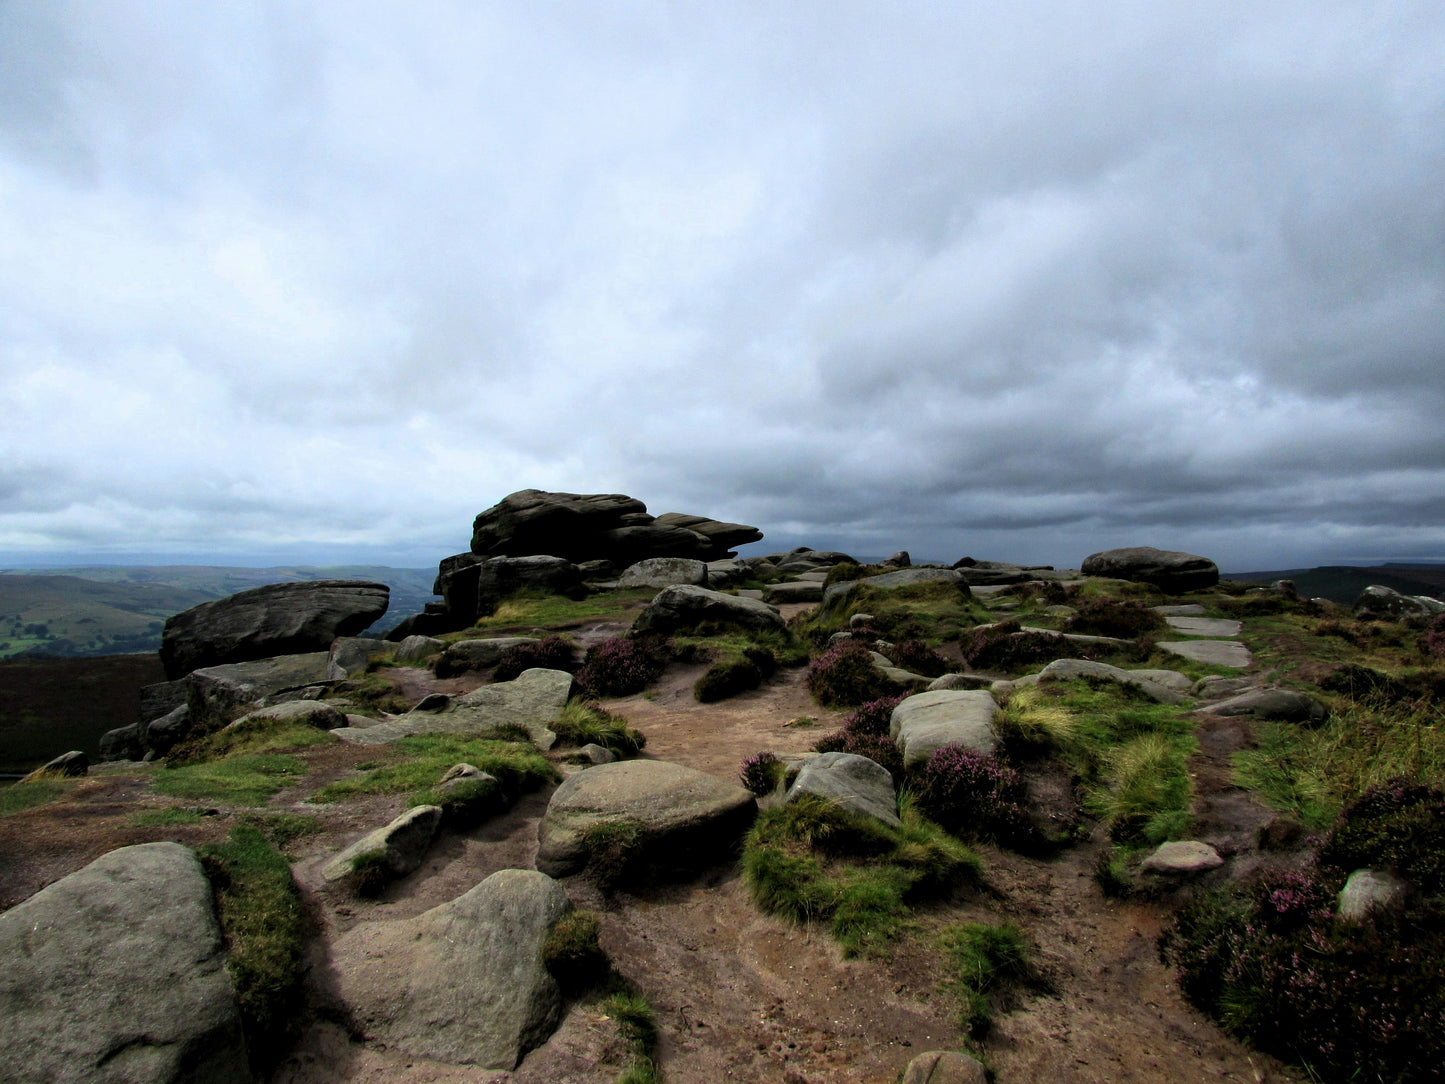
{"points": [[762, 772], [1398, 826], [974, 794], [917, 657], [622, 666], [1005, 646], [1122, 618], [1431, 642], [1347, 1000], [727, 678], [865, 733], [549, 653], [845, 675], [844, 572]]}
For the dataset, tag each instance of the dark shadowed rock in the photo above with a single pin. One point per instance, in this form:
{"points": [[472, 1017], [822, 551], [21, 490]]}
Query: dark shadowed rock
{"points": [[1283, 705], [566, 525], [681, 816], [472, 587], [72, 763], [686, 607], [279, 619], [117, 973], [162, 698], [1387, 604], [463, 983], [122, 743], [721, 537], [1168, 570], [480, 654]]}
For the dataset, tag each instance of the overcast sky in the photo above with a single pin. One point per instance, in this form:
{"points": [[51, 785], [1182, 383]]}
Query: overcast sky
{"points": [[320, 281]]}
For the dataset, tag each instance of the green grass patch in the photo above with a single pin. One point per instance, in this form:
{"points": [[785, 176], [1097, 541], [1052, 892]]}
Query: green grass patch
{"points": [[984, 958], [416, 764], [251, 736], [932, 612], [244, 779], [283, 829], [18, 796], [533, 609], [259, 906], [374, 692], [586, 723], [637, 1026], [811, 861], [1312, 773], [170, 817]]}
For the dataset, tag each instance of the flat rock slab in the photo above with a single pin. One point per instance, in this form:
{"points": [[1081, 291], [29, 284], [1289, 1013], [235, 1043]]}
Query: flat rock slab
{"points": [[1204, 626], [218, 694], [531, 701], [1283, 705], [1183, 609], [685, 607], [317, 713], [855, 783], [462, 983], [677, 811], [1183, 858], [929, 721], [1211, 652], [1163, 686], [117, 973]]}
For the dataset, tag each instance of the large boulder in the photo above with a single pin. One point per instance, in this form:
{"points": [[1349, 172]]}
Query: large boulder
{"points": [[350, 655], [1168, 570], [664, 572], [685, 607], [928, 721], [568, 525], [480, 654], [1387, 604], [678, 814], [944, 1067], [117, 973], [279, 619], [1283, 705], [1164, 686], [472, 587], [837, 595], [722, 536], [851, 782], [463, 983]]}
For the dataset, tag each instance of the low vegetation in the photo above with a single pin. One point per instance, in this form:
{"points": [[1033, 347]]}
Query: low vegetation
{"points": [[985, 960], [414, 766], [845, 675], [623, 666], [259, 907], [588, 723], [246, 779], [28, 794], [549, 653]]}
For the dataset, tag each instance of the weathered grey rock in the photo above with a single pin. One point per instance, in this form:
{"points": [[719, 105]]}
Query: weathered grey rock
{"points": [[594, 754], [160, 735], [279, 619], [1204, 626], [122, 743], [664, 572], [721, 536], [1183, 858], [1215, 686], [479, 654], [1168, 570], [315, 713], [960, 681], [350, 654], [855, 783], [1182, 609], [1212, 652], [117, 973], [991, 573], [1164, 686], [1284, 705], [218, 694], [73, 763], [793, 591], [901, 559], [944, 1067], [1369, 890], [463, 983], [162, 698], [416, 648], [1387, 604], [402, 844], [531, 701], [684, 607], [727, 572], [681, 814], [929, 721], [860, 620], [433, 702]]}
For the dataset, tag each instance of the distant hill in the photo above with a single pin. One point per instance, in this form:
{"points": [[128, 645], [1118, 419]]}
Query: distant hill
{"points": [[116, 610], [1343, 583]]}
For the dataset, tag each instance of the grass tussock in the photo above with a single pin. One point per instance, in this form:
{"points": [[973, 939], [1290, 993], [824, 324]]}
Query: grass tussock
{"points": [[588, 723], [1034, 720], [985, 959], [259, 907], [1145, 790], [811, 861], [415, 765]]}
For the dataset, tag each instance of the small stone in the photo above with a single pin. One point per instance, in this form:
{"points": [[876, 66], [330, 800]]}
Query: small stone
{"points": [[944, 1067], [1370, 890], [1183, 858]]}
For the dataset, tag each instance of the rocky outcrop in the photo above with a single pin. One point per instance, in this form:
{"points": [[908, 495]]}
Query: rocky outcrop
{"points": [[481, 654], [279, 619], [676, 815], [218, 694], [472, 587], [677, 608], [463, 983], [117, 973], [1169, 570], [1387, 604], [851, 782], [929, 721], [313, 713], [350, 654]]}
